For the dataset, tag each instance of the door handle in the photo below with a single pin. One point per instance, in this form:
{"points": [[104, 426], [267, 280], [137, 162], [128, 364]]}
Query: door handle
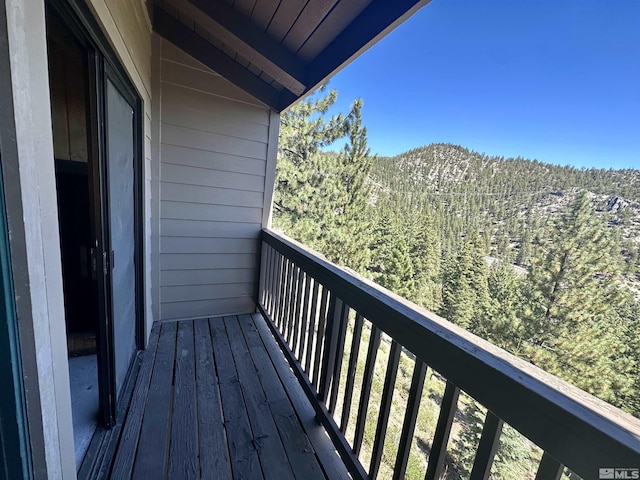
{"points": [[94, 263]]}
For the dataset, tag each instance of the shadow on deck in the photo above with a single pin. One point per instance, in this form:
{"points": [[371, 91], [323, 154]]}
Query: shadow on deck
{"points": [[215, 398]]}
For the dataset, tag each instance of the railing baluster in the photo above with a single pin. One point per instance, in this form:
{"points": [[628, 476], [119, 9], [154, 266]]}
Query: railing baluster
{"points": [[351, 372], [365, 392], [304, 322], [293, 303], [410, 417], [262, 288], [385, 408], [343, 322], [287, 297], [322, 319], [312, 327], [298, 313], [332, 333], [282, 297], [487, 448], [266, 289], [275, 263], [443, 429], [549, 468]]}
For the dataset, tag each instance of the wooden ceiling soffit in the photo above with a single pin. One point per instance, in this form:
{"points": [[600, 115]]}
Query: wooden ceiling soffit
{"points": [[190, 42], [375, 21], [239, 33]]}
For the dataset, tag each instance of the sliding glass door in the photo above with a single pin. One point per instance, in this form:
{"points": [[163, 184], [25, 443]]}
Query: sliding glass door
{"points": [[121, 177]]}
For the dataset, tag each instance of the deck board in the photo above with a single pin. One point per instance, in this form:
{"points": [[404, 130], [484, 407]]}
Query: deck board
{"points": [[123, 463], [242, 451], [183, 453], [300, 452], [151, 455], [265, 434], [216, 399], [212, 440]]}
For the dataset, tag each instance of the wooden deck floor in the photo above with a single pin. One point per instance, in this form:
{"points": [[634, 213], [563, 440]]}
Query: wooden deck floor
{"points": [[215, 398]]}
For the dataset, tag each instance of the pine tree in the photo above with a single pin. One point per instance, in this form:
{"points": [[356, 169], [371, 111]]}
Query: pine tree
{"points": [[465, 290], [303, 132], [344, 229], [321, 197], [391, 264], [502, 318], [425, 250], [513, 458], [571, 322]]}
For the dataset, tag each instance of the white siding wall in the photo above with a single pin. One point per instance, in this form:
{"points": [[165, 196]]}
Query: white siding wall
{"points": [[217, 148]]}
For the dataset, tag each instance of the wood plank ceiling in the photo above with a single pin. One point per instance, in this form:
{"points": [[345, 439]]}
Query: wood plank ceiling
{"points": [[278, 50]]}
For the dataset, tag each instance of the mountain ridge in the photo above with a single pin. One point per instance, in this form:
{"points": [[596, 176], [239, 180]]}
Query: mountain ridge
{"points": [[507, 199]]}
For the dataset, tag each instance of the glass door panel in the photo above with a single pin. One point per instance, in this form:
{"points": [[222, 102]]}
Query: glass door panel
{"points": [[121, 202]]}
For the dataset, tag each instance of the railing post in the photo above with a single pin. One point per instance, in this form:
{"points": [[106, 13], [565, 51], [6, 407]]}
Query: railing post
{"points": [[273, 281], [262, 288]]}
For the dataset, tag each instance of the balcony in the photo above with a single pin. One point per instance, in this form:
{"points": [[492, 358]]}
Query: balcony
{"points": [[286, 392]]}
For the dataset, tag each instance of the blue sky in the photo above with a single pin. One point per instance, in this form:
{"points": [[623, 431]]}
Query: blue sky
{"points": [[553, 80]]}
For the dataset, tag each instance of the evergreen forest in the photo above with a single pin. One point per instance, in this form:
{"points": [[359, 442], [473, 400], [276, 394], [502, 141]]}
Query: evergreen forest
{"points": [[541, 260]]}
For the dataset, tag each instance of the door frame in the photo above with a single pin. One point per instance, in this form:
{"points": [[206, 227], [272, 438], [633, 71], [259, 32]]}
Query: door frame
{"points": [[125, 88], [102, 61], [15, 451]]}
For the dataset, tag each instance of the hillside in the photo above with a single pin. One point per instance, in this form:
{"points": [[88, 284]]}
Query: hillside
{"points": [[506, 199], [523, 254]]}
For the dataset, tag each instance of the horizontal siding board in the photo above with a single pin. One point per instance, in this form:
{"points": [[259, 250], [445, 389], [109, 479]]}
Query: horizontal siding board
{"points": [[179, 192], [213, 152], [206, 82], [189, 116], [174, 54], [224, 107], [213, 142], [179, 103], [196, 211], [175, 278], [207, 308], [195, 228], [207, 245], [194, 293], [198, 261], [210, 178], [193, 157]]}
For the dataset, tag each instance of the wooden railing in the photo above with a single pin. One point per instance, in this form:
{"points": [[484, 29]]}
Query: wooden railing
{"points": [[321, 314]]}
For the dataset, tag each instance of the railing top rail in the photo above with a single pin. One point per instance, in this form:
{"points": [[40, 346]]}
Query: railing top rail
{"points": [[579, 430]]}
